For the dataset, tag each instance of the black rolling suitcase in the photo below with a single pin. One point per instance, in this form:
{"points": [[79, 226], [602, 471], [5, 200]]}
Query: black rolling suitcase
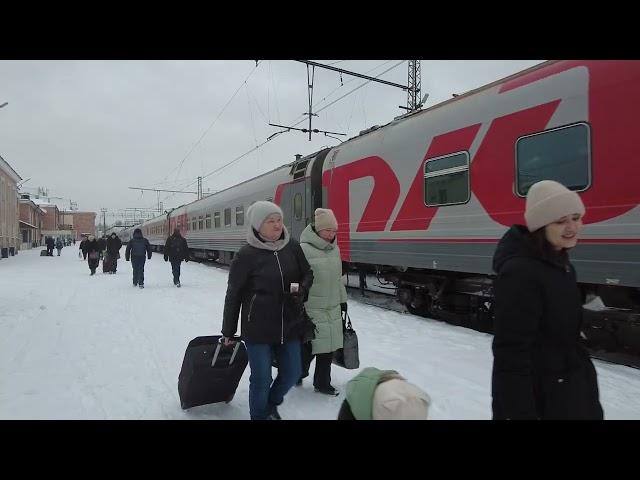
{"points": [[210, 371]]}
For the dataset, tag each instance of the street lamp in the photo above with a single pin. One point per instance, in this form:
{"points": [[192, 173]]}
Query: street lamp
{"points": [[4, 104]]}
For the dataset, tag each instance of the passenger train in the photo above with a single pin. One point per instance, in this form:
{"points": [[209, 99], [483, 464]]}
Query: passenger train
{"points": [[424, 199]]}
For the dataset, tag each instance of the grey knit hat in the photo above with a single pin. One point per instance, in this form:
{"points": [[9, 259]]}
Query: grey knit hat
{"points": [[260, 210]]}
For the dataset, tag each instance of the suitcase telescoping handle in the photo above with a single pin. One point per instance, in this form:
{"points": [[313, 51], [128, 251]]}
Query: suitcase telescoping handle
{"points": [[219, 346]]}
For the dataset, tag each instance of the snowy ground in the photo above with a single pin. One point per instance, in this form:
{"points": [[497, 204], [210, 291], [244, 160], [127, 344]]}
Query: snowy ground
{"points": [[79, 347]]}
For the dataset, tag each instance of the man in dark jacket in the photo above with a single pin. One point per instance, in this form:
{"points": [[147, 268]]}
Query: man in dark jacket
{"points": [[269, 280], [50, 242], [83, 247], [137, 248], [176, 250], [113, 252]]}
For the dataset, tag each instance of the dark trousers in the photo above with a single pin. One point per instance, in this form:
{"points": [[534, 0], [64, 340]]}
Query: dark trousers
{"points": [[138, 269], [93, 264], [263, 393], [322, 375], [50, 251], [175, 268]]}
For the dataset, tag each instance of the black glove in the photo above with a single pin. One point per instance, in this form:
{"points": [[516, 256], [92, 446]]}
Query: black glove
{"points": [[149, 257], [343, 307], [166, 259]]}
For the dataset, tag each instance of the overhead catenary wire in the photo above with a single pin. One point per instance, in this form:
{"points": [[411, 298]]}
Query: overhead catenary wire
{"points": [[179, 166], [231, 162], [353, 90]]}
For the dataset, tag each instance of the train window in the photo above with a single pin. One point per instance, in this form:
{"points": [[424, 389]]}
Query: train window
{"points": [[446, 180], [216, 219], [562, 154], [240, 215], [208, 221], [297, 206], [200, 222], [194, 223], [227, 217]]}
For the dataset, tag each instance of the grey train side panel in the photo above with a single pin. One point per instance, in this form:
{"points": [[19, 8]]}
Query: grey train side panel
{"points": [[593, 263]]}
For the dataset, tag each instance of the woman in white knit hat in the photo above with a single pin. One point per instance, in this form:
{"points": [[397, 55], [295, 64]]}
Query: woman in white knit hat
{"points": [[269, 280], [540, 369], [327, 298]]}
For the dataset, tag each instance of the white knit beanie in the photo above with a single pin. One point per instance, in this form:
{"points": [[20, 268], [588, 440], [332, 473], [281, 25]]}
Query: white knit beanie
{"points": [[397, 399], [259, 211], [548, 201], [324, 218]]}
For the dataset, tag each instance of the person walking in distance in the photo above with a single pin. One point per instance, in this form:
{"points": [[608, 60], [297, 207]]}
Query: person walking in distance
{"points": [[113, 252], [92, 253], [138, 249], [176, 250]]}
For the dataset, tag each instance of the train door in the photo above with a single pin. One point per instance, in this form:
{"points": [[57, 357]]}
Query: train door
{"points": [[298, 199], [297, 208]]}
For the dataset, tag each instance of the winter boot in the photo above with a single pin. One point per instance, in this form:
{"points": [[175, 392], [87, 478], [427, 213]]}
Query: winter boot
{"points": [[274, 415], [141, 286], [327, 391]]}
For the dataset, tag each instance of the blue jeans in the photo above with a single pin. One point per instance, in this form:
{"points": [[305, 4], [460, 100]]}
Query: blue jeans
{"points": [[138, 269], [263, 394]]}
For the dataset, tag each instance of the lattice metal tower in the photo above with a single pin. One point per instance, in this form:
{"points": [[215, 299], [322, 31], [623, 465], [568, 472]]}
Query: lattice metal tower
{"points": [[413, 82]]}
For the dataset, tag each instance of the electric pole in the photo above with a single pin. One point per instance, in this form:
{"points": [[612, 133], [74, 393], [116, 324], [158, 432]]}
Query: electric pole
{"points": [[413, 82], [104, 220]]}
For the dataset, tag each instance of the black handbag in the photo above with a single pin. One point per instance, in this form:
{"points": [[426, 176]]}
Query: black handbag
{"points": [[347, 356]]}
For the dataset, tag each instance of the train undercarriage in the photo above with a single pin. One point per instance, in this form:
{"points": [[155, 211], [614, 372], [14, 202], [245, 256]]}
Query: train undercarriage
{"points": [[611, 313]]}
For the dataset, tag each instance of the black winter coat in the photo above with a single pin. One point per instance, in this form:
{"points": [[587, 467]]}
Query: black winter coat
{"points": [[91, 247], [138, 246], [176, 248], [540, 369], [113, 245], [269, 313]]}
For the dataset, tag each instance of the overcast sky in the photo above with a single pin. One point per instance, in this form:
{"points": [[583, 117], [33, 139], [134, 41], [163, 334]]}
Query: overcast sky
{"points": [[87, 130]]}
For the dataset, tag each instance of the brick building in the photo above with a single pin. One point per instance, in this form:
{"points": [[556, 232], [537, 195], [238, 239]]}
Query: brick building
{"points": [[9, 231], [31, 218], [80, 222]]}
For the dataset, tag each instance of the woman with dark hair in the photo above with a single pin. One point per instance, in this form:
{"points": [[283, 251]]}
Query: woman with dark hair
{"points": [[540, 369]]}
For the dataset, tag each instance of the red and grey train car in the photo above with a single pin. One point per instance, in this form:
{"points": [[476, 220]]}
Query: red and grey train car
{"points": [[424, 199]]}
